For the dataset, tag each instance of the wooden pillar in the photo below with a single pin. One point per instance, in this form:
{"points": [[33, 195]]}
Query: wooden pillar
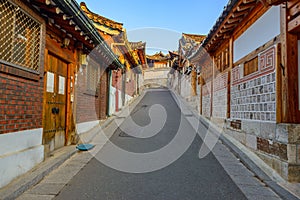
{"points": [[194, 82], [229, 76], [201, 86], [212, 86], [289, 73]]}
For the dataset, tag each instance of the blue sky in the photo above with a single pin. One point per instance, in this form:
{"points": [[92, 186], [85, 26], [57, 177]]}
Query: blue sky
{"points": [[160, 22]]}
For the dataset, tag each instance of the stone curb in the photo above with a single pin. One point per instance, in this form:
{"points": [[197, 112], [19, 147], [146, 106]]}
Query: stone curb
{"points": [[280, 191]]}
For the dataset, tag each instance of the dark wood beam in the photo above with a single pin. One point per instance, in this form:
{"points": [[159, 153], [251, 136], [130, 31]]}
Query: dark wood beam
{"points": [[294, 25], [295, 10], [248, 1], [244, 7], [234, 20], [239, 14]]}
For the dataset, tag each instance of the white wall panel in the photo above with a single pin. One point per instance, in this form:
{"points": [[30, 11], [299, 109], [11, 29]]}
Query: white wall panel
{"points": [[263, 30]]}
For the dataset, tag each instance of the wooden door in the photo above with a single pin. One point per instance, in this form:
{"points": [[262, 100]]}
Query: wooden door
{"points": [[55, 103]]}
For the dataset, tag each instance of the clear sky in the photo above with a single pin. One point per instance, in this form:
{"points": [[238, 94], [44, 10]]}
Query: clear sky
{"points": [[160, 22]]}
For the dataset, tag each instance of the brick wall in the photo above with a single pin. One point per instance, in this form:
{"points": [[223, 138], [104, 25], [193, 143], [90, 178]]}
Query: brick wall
{"points": [[87, 104], [21, 100], [130, 86]]}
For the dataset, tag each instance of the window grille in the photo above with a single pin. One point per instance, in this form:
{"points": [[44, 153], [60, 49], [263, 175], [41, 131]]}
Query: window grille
{"points": [[20, 37], [93, 76], [251, 66]]}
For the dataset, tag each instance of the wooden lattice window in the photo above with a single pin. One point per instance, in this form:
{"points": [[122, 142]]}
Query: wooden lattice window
{"points": [[222, 61], [251, 66], [93, 77], [20, 37]]}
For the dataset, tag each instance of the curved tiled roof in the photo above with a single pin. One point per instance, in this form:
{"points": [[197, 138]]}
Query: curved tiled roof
{"points": [[196, 38], [220, 20], [138, 45], [100, 19], [158, 56]]}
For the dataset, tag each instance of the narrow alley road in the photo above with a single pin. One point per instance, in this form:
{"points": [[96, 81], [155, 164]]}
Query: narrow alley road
{"points": [[187, 178]]}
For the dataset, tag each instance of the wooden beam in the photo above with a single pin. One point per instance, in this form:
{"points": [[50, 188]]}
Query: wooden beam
{"points": [[239, 14], [226, 36], [293, 11], [234, 20], [294, 25], [272, 2], [291, 3], [244, 7], [278, 85], [223, 30], [229, 26], [248, 1]]}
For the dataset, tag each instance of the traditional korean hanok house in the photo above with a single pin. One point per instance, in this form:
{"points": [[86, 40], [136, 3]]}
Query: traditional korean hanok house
{"points": [[115, 37], [22, 44], [174, 73], [188, 44], [204, 69], [158, 60], [133, 71], [254, 47], [40, 49], [71, 101], [139, 51], [157, 73]]}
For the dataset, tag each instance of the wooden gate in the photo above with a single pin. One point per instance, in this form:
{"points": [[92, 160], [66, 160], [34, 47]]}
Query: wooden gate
{"points": [[55, 103]]}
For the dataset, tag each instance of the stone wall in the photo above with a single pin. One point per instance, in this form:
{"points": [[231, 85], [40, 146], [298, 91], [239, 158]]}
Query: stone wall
{"points": [[206, 99], [253, 96], [220, 96]]}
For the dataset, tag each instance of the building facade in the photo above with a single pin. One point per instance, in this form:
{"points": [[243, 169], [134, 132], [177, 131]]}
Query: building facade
{"points": [[123, 83], [190, 85], [250, 82], [43, 60]]}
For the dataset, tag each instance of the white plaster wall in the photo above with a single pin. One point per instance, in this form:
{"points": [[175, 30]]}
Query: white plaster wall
{"points": [[120, 99], [127, 99], [186, 86], [263, 30], [112, 102], [19, 152], [86, 126]]}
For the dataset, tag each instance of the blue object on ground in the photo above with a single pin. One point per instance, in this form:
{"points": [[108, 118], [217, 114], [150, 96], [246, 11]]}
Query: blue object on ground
{"points": [[84, 147]]}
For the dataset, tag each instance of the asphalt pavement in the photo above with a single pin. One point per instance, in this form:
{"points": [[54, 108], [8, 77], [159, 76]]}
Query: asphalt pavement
{"points": [[187, 178], [152, 154]]}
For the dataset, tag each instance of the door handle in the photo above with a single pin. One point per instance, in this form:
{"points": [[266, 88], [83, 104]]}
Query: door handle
{"points": [[55, 111]]}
